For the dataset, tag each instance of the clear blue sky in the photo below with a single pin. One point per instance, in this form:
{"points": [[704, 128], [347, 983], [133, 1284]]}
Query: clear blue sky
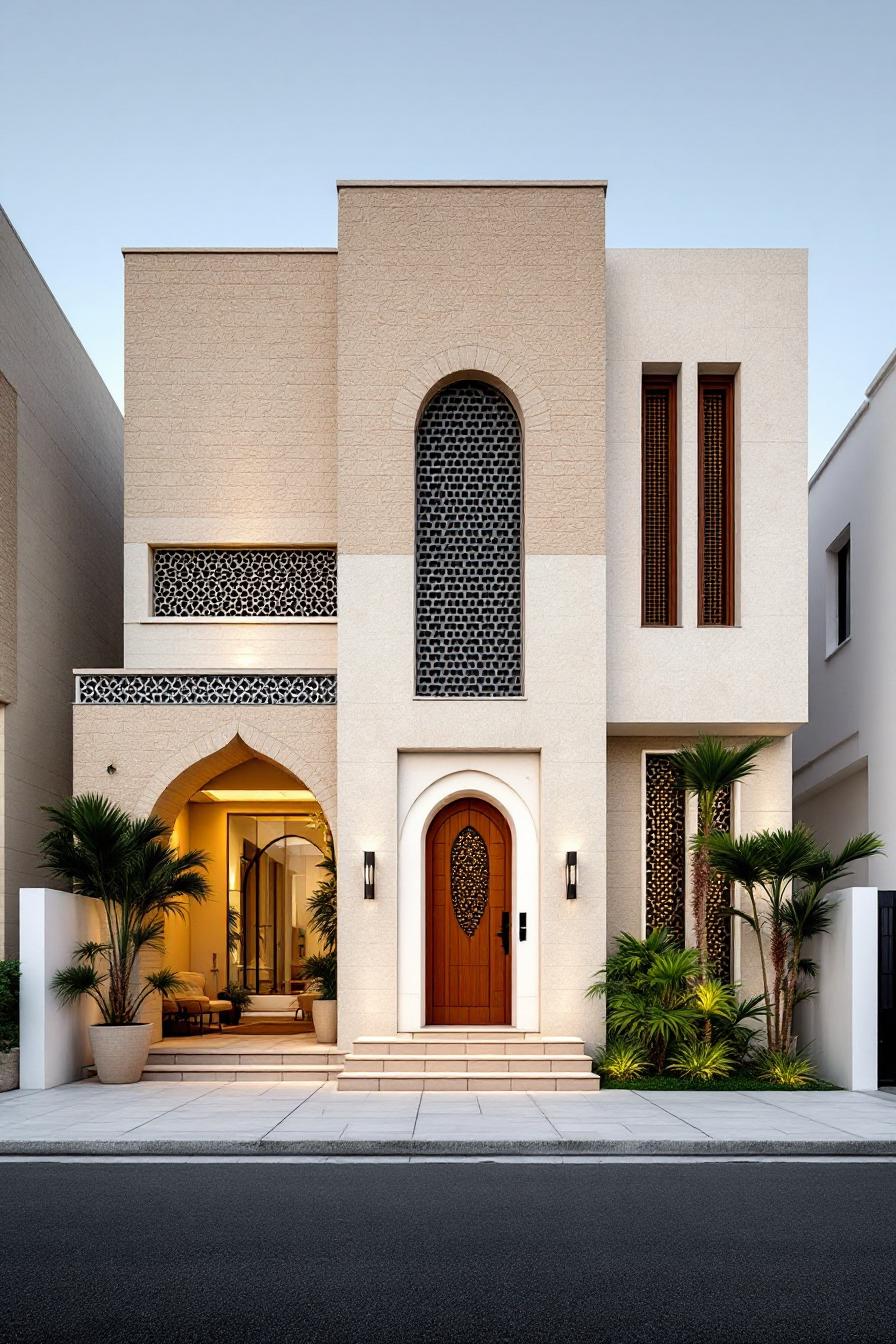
{"points": [[226, 122]]}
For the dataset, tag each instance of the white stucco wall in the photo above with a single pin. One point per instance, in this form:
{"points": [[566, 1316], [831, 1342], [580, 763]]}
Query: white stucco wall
{"points": [[838, 1025], [54, 1042], [852, 728], [725, 310]]}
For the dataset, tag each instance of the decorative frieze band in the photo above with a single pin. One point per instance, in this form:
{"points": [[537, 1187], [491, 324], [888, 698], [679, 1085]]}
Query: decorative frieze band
{"points": [[206, 688], [243, 581]]}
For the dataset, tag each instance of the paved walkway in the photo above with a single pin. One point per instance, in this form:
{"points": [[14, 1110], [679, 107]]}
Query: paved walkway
{"points": [[262, 1117]]}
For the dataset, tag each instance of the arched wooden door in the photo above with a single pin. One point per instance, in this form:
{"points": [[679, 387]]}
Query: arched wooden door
{"points": [[468, 916]]}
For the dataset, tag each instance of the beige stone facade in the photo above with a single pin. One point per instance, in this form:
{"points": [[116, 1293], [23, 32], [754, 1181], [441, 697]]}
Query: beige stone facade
{"points": [[274, 400], [60, 547]]}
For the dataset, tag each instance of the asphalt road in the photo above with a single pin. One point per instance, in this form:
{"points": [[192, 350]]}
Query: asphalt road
{"points": [[301, 1253]]}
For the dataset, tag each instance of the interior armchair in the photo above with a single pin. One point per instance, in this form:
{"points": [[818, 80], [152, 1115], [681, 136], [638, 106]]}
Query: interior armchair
{"points": [[192, 1001]]}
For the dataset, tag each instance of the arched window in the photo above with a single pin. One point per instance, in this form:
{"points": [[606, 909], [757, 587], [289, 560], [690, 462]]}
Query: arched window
{"points": [[468, 550]]}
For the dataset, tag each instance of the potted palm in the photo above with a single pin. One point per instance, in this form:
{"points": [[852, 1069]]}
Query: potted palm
{"points": [[128, 866], [9, 1025], [320, 968], [239, 996]]}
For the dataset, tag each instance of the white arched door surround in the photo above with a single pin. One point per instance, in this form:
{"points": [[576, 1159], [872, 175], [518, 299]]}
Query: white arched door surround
{"points": [[510, 782]]}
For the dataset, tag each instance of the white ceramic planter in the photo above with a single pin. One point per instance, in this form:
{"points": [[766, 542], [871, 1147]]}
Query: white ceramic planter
{"points": [[9, 1069], [120, 1052], [323, 1014]]}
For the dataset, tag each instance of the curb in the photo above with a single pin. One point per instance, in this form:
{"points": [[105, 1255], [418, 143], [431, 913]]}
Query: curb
{"points": [[447, 1148]]}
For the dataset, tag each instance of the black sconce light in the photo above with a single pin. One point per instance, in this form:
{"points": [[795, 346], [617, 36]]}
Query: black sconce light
{"points": [[369, 867], [572, 874]]}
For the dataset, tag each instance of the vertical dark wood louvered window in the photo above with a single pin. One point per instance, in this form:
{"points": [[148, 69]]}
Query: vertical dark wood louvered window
{"points": [[715, 486], [659, 501]]}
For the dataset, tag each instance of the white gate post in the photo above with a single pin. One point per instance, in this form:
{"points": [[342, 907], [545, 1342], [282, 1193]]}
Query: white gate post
{"points": [[839, 1024], [53, 1039]]}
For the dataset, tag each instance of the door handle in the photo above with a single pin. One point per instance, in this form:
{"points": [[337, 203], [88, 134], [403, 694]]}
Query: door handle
{"points": [[504, 935], [522, 926]]}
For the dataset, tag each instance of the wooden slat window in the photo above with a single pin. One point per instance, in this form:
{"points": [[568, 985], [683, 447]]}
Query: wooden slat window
{"points": [[659, 500], [715, 485]]}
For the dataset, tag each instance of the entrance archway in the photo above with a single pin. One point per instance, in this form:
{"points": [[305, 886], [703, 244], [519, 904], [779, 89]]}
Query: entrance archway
{"points": [[265, 833]]}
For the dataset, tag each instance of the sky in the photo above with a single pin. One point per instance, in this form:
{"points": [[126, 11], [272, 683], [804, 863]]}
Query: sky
{"points": [[227, 123]]}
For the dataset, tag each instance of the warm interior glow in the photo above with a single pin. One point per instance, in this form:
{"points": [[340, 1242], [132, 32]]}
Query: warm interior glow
{"points": [[258, 795]]}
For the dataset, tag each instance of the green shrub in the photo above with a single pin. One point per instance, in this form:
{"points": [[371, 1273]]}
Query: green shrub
{"points": [[622, 1061], [702, 1061], [9, 1005], [785, 1068]]}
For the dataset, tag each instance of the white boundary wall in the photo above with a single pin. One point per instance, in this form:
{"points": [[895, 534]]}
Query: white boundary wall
{"points": [[839, 1024], [54, 1040]]}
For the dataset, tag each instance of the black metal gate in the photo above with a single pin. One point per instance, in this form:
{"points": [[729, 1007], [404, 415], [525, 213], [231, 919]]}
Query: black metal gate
{"points": [[886, 993]]}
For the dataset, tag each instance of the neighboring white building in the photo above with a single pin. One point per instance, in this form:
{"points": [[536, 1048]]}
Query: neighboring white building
{"points": [[60, 540], [566, 490], [844, 777]]}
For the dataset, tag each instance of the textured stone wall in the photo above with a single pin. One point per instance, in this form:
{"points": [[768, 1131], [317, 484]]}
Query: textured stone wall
{"points": [[68, 538], [506, 281], [8, 531], [163, 754], [230, 371]]}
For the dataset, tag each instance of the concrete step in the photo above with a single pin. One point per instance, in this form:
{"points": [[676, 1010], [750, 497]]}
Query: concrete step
{"points": [[219, 1072], [478, 1034], [493, 1045], [480, 1062], [197, 1055], [466, 1082]]}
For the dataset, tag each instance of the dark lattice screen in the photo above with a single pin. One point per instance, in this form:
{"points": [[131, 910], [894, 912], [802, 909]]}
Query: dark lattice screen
{"points": [[469, 544], [665, 849], [718, 926], [658, 503], [243, 581], [716, 503]]}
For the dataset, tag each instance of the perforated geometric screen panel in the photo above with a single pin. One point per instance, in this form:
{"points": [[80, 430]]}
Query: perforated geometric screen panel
{"points": [[243, 581], [665, 848], [469, 879], [205, 688], [718, 926], [469, 514]]}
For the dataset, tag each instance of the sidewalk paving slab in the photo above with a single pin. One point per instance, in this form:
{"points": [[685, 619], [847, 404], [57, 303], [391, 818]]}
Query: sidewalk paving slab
{"points": [[313, 1119]]}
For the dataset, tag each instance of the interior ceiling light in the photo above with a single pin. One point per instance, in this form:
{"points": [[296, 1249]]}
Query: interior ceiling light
{"points": [[259, 795]]}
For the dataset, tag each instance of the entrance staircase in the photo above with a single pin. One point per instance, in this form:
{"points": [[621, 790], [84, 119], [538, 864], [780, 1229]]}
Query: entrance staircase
{"points": [[188, 1060], [468, 1059]]}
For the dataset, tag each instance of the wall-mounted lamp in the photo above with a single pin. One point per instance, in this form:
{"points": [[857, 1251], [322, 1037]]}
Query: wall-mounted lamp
{"points": [[369, 869], [572, 874]]}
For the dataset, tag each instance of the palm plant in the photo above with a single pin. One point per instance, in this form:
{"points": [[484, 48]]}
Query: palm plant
{"points": [[128, 866], [705, 770], [790, 871], [648, 985]]}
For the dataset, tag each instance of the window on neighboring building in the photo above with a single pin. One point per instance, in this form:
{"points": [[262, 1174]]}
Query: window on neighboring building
{"points": [[843, 593], [715, 484], [659, 500], [468, 547], [839, 603]]}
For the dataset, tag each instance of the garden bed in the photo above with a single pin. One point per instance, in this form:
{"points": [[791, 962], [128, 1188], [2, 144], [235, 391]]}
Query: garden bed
{"points": [[735, 1082]]}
